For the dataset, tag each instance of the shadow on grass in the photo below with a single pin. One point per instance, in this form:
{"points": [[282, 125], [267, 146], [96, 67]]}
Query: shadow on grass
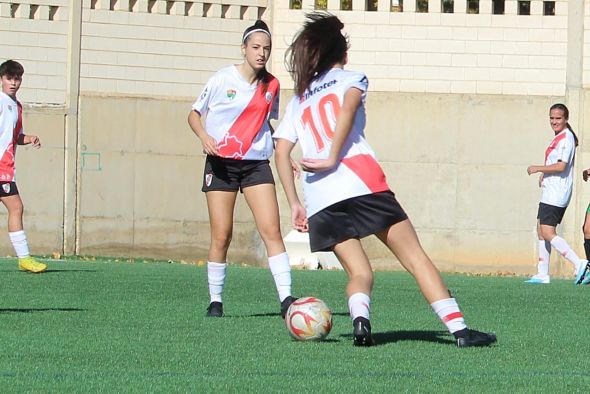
{"points": [[47, 271], [382, 338], [32, 310]]}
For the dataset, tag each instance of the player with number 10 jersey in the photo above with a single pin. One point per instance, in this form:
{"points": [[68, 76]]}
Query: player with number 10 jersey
{"points": [[310, 119]]}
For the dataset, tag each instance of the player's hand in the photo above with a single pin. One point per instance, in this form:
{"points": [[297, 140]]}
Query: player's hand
{"points": [[299, 218], [317, 165], [532, 170], [209, 145], [585, 175], [295, 168], [32, 140]]}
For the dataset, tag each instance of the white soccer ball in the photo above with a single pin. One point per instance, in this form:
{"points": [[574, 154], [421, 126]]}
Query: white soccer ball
{"points": [[309, 319]]}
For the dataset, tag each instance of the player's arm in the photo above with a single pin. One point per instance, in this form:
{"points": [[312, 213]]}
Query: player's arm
{"points": [[196, 124], [555, 168], [344, 122], [283, 149]]}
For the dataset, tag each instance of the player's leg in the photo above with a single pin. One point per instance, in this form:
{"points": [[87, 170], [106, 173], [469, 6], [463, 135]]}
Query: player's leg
{"points": [[549, 217], [402, 240], [353, 259], [544, 250], [586, 230], [262, 200], [18, 237], [220, 205]]}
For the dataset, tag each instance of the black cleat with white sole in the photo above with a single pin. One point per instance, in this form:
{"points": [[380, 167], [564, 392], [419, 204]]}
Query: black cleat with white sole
{"points": [[471, 338], [362, 332]]}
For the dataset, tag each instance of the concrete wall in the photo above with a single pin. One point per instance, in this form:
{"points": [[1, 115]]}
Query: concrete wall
{"points": [[457, 110]]}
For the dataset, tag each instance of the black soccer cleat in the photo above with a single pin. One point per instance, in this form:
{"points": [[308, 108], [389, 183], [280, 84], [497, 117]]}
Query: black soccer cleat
{"points": [[470, 338], [362, 332], [285, 304], [215, 309]]}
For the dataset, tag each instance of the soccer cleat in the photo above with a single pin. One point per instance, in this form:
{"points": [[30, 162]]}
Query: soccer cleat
{"points": [[362, 332], [285, 304], [581, 272], [470, 338], [29, 264], [215, 309], [539, 280]]}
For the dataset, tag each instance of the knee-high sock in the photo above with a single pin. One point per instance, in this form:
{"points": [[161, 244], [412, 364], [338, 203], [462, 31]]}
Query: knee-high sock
{"points": [[359, 305], [544, 255], [281, 273], [562, 247], [216, 279], [449, 313], [19, 243]]}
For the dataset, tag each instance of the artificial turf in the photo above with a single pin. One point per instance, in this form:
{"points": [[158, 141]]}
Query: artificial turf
{"points": [[135, 327]]}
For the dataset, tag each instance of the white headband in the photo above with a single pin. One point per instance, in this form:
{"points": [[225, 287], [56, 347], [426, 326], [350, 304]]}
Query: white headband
{"points": [[254, 31]]}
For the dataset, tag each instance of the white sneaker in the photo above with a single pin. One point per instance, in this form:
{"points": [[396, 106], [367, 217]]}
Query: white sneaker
{"points": [[581, 272], [539, 280]]}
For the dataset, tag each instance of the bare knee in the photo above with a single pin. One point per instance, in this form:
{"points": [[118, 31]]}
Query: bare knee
{"points": [[221, 242], [586, 229]]}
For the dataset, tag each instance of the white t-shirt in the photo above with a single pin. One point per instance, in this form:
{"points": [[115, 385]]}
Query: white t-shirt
{"points": [[311, 120], [11, 126], [237, 114], [556, 189]]}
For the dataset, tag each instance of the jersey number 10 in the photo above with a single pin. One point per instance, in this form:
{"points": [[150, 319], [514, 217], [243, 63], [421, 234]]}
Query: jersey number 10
{"points": [[327, 109]]}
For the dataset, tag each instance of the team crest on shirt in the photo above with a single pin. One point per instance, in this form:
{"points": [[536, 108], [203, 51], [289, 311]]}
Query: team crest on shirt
{"points": [[268, 97], [208, 179], [10, 107], [231, 94], [6, 187]]}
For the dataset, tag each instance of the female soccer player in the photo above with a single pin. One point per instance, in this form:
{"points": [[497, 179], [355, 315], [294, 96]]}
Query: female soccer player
{"points": [[238, 102], [346, 194], [556, 183]]}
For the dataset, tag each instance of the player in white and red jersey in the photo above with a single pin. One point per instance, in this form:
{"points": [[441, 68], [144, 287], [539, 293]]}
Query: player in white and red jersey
{"points": [[346, 194], [238, 103], [11, 135], [556, 182]]}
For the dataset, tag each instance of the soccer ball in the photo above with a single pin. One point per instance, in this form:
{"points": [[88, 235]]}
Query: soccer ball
{"points": [[309, 319]]}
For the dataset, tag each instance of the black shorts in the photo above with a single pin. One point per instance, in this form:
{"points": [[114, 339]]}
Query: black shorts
{"points": [[550, 215], [8, 189], [356, 217], [223, 174]]}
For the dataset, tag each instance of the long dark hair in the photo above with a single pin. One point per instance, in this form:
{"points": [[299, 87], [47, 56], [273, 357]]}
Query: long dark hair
{"points": [[566, 115], [315, 49], [262, 76]]}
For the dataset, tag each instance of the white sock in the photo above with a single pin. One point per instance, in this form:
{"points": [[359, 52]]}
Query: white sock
{"points": [[281, 273], [359, 305], [19, 243], [216, 279], [562, 247], [544, 255], [448, 311]]}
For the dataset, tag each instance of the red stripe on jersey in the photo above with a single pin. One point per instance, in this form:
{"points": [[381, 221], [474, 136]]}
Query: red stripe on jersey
{"points": [[368, 170], [553, 145], [452, 316], [238, 139]]}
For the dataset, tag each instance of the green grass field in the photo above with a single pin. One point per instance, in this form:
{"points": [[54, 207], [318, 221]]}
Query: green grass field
{"points": [[108, 326]]}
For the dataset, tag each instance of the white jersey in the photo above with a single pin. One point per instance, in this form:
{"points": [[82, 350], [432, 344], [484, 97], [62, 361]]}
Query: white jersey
{"points": [[556, 189], [237, 114], [311, 120], [11, 126]]}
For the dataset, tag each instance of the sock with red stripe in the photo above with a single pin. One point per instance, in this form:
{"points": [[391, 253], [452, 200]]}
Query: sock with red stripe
{"points": [[449, 313], [544, 254], [359, 305], [564, 249]]}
